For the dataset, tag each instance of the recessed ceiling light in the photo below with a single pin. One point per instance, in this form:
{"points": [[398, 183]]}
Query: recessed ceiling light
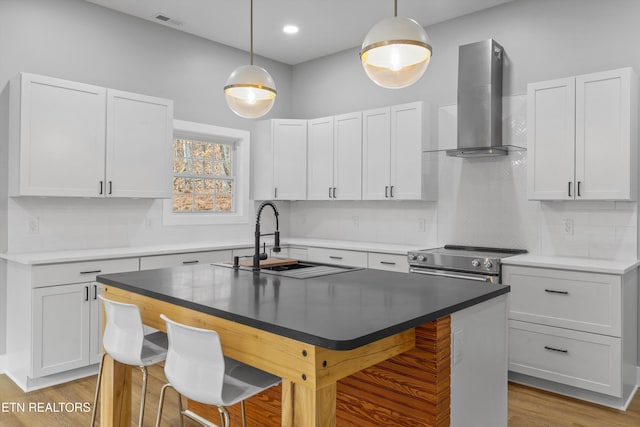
{"points": [[290, 29]]}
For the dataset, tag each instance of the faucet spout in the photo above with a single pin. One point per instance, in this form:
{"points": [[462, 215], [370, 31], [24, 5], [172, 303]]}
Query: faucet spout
{"points": [[257, 256]]}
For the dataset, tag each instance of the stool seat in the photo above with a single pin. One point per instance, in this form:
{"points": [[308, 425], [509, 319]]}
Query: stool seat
{"points": [[197, 369]]}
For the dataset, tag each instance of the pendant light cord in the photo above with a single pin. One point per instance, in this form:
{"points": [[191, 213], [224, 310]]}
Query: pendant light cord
{"points": [[251, 35], [395, 8]]}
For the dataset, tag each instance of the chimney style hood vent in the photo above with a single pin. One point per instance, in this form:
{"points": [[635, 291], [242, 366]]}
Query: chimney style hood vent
{"points": [[480, 100]]}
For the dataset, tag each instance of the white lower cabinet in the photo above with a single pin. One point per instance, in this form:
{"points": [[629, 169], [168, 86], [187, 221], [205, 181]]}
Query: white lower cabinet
{"points": [[55, 316], [191, 258], [67, 327], [389, 262], [337, 257], [574, 332]]}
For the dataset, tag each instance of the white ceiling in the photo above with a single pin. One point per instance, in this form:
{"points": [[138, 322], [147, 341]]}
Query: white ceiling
{"points": [[326, 26]]}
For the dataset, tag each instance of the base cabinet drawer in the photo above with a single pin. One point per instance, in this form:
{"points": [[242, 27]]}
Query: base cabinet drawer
{"points": [[389, 262], [580, 359], [588, 302], [337, 257], [176, 260], [79, 272]]}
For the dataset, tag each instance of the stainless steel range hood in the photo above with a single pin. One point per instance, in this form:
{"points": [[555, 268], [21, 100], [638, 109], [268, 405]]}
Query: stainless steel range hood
{"points": [[480, 100]]}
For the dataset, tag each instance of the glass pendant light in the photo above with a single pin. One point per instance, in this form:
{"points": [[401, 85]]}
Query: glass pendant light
{"points": [[396, 52], [250, 90]]}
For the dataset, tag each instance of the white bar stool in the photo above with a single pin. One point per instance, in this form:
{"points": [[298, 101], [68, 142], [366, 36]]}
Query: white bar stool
{"points": [[125, 342], [197, 369]]}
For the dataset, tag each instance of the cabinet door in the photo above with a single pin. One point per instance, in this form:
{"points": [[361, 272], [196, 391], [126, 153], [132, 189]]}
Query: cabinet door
{"points": [[376, 148], [139, 145], [551, 140], [320, 154], [290, 159], [61, 328], [347, 160], [262, 153], [61, 138], [95, 326], [603, 136], [406, 152]]}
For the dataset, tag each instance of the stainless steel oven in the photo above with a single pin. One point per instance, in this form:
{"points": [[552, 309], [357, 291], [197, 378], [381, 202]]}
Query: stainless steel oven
{"points": [[481, 264]]}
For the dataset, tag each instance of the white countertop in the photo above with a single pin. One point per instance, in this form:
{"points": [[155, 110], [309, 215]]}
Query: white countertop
{"points": [[570, 263], [54, 257]]}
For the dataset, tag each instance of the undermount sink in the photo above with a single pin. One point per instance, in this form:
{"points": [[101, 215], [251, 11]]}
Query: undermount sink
{"points": [[305, 270]]}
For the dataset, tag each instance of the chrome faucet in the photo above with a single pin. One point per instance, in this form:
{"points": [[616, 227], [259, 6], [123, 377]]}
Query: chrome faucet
{"points": [[257, 256]]}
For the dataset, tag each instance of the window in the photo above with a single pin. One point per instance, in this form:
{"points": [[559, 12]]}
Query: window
{"points": [[203, 178], [210, 175]]}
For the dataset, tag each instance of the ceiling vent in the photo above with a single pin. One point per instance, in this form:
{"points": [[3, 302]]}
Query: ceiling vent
{"points": [[166, 20]]}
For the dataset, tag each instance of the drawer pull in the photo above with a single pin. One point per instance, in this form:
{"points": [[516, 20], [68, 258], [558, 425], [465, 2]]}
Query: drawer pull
{"points": [[191, 262], [387, 263], [91, 272], [86, 293], [551, 291], [335, 257], [546, 347], [95, 291]]}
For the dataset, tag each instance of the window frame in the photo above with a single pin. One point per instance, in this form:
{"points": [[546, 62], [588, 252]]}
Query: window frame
{"points": [[241, 167]]}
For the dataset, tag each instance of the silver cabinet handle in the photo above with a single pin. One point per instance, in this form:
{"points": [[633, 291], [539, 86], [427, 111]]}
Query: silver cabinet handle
{"points": [[91, 272], [558, 350], [579, 195], [569, 191], [191, 262], [386, 191], [110, 187], [391, 192], [335, 257], [86, 293], [387, 263], [329, 192], [334, 192], [551, 291], [100, 187], [95, 291], [275, 193]]}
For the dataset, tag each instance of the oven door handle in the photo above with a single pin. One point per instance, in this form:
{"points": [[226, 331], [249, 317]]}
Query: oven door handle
{"points": [[441, 273]]}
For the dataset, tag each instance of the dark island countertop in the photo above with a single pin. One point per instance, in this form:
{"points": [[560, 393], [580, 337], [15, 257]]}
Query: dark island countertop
{"points": [[340, 311]]}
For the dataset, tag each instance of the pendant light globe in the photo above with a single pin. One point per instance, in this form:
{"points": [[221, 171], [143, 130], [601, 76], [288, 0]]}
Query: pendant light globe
{"points": [[396, 52], [250, 91]]}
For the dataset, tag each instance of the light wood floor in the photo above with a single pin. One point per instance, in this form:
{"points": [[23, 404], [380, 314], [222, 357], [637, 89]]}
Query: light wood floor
{"points": [[528, 407]]}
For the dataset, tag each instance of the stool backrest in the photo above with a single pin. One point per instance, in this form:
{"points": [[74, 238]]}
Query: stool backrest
{"points": [[123, 332], [195, 363]]}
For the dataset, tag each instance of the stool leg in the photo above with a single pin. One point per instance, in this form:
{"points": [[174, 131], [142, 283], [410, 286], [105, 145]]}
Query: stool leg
{"points": [[95, 399], [180, 409], [161, 404], [224, 416], [143, 394], [244, 420]]}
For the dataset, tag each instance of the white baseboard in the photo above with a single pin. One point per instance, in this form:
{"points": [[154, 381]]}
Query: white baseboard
{"points": [[638, 376]]}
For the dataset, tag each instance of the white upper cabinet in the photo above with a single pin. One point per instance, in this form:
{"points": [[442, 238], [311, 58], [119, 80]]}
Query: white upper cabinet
{"points": [[320, 164], [335, 150], [582, 137], [139, 141], [76, 140], [392, 153], [279, 153]]}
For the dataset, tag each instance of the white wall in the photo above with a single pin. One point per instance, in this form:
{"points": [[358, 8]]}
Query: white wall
{"points": [[80, 41], [483, 201]]}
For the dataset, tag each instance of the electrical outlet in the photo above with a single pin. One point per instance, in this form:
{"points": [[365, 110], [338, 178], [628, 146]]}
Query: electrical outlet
{"points": [[33, 226], [421, 224], [567, 226], [356, 222]]}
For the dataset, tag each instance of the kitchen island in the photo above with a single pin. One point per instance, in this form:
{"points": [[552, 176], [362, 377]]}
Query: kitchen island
{"points": [[362, 347]]}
